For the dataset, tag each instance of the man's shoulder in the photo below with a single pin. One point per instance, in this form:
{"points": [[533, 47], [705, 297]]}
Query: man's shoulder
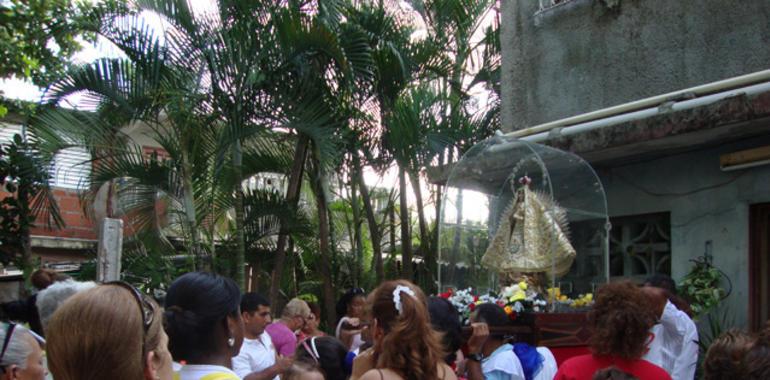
{"points": [[504, 360], [276, 328], [280, 334], [266, 339]]}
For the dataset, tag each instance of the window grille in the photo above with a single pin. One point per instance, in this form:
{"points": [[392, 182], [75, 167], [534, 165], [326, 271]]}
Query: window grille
{"points": [[640, 245]]}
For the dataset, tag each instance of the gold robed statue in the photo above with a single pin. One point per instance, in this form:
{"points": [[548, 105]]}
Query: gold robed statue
{"points": [[532, 238]]}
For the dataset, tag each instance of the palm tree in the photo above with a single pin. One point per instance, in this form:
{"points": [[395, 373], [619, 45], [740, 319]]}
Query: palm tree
{"points": [[453, 26], [28, 202], [211, 84], [399, 62]]}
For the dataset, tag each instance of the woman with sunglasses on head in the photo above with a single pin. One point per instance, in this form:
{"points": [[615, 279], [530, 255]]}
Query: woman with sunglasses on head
{"points": [[204, 325], [405, 345], [327, 354], [111, 331], [351, 308], [21, 357]]}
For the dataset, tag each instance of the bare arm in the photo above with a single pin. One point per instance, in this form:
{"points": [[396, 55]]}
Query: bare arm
{"points": [[475, 345], [280, 366]]}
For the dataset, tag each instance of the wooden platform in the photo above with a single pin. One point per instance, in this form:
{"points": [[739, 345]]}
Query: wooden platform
{"points": [[546, 329]]}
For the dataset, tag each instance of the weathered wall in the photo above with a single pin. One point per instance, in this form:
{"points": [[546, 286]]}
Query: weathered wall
{"points": [[585, 55], [705, 204]]}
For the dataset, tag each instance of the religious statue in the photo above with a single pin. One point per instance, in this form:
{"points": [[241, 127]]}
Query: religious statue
{"points": [[532, 239]]}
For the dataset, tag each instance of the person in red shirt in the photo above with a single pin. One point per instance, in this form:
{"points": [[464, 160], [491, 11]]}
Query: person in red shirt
{"points": [[619, 320]]}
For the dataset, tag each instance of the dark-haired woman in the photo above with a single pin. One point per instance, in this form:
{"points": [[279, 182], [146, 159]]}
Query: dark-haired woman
{"points": [[620, 320], [204, 325], [405, 345], [445, 319], [351, 308], [326, 353]]}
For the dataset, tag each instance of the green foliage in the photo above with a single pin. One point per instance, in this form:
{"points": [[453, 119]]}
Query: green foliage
{"points": [[702, 287], [38, 37], [87, 271], [23, 175]]}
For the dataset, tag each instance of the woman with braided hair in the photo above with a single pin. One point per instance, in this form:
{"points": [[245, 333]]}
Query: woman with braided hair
{"points": [[405, 345]]}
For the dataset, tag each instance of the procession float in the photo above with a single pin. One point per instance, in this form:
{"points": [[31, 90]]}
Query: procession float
{"points": [[525, 226]]}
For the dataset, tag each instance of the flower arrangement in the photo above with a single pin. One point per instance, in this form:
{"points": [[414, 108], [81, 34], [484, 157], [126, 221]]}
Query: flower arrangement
{"points": [[514, 299], [583, 300]]}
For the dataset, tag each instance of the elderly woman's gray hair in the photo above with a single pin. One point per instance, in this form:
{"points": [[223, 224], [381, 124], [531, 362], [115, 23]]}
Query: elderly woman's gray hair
{"points": [[49, 299], [18, 347]]}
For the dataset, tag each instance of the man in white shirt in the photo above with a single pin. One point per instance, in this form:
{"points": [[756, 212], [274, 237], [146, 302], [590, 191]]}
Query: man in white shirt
{"points": [[489, 357], [257, 359], [674, 345]]}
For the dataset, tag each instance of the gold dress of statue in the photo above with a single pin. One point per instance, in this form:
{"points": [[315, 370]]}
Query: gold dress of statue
{"points": [[532, 238]]}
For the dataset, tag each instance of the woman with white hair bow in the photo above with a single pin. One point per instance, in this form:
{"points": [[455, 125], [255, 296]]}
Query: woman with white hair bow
{"points": [[20, 356]]}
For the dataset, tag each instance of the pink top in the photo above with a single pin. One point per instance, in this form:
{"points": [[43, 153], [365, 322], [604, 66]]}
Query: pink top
{"points": [[284, 340]]}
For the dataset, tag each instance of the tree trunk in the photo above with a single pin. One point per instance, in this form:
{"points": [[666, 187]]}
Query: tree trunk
{"points": [[439, 218], [292, 196], [406, 240], [25, 221], [293, 263], [425, 249], [324, 232], [351, 234], [392, 233], [359, 245], [455, 253], [240, 250], [256, 270], [374, 228], [189, 208]]}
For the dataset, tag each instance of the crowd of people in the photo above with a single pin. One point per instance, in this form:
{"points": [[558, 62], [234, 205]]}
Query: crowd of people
{"points": [[207, 329]]}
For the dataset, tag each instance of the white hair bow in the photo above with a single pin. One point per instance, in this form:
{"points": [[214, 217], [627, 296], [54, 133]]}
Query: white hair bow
{"points": [[397, 296]]}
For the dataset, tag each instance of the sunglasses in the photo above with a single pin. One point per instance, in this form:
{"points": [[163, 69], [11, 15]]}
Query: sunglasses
{"points": [[145, 306], [6, 341]]}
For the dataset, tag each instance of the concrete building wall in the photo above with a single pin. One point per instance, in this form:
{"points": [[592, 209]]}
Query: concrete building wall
{"points": [[705, 204], [584, 55]]}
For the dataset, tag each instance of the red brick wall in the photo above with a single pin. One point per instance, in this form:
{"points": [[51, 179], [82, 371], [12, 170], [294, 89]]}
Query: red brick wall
{"points": [[77, 225]]}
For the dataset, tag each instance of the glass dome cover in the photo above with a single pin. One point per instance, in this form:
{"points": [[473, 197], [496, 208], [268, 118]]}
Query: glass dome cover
{"points": [[514, 209]]}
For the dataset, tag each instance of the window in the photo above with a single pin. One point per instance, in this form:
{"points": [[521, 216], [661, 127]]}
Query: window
{"points": [[71, 168], [7, 131], [640, 245]]}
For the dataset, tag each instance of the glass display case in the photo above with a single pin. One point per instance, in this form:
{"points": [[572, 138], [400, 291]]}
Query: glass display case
{"points": [[516, 210]]}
